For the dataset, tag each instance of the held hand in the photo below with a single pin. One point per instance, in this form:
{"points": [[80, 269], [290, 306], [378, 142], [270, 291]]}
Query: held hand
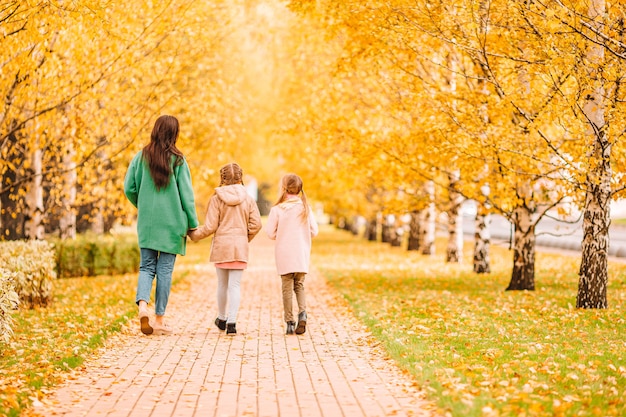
{"points": [[193, 235]]}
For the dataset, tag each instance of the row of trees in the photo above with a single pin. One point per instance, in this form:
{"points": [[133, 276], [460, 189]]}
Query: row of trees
{"points": [[83, 81], [382, 106], [519, 106]]}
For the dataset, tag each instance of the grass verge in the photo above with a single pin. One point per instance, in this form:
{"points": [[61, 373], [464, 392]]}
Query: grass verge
{"points": [[49, 344], [476, 349]]}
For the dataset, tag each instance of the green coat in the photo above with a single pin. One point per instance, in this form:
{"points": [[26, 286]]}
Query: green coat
{"points": [[164, 216]]}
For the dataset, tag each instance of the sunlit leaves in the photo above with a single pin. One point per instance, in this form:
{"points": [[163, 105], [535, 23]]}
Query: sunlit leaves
{"points": [[492, 86]]}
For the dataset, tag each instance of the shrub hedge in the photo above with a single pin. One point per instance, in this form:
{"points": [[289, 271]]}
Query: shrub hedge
{"points": [[32, 268], [27, 268], [93, 255], [9, 300]]}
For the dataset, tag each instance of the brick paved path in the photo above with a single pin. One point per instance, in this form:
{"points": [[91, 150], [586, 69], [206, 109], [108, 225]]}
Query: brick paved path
{"points": [[332, 370]]}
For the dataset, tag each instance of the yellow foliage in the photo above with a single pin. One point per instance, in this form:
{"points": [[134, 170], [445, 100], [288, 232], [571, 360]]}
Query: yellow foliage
{"points": [[354, 96]]}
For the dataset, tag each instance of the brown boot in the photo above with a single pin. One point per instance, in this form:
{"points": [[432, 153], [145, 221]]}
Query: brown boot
{"points": [[301, 323]]}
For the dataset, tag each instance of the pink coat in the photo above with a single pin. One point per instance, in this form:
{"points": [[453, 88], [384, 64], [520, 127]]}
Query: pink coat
{"points": [[292, 234]]}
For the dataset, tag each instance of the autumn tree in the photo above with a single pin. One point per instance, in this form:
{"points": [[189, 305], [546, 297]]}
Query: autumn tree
{"points": [[511, 126], [83, 83], [601, 106]]}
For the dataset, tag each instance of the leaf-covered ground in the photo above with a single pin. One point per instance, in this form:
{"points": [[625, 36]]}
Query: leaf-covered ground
{"points": [[50, 344], [476, 349]]}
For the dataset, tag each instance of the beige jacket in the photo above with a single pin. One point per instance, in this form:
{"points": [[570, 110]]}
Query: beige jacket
{"points": [[234, 218]]}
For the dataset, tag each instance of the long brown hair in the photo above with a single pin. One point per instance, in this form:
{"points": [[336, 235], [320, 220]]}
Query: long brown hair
{"points": [[292, 184], [158, 153]]}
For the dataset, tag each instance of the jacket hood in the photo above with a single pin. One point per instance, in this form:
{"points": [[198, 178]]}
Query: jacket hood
{"points": [[232, 195], [290, 202]]}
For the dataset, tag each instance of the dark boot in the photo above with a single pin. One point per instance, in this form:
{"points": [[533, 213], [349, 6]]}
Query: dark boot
{"points": [[291, 325], [301, 323], [221, 324], [231, 328]]}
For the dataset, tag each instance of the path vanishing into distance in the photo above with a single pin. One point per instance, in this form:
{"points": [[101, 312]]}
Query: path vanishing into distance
{"points": [[335, 369]]}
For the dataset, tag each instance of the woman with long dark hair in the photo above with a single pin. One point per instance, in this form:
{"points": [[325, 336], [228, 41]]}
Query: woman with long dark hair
{"points": [[158, 183]]}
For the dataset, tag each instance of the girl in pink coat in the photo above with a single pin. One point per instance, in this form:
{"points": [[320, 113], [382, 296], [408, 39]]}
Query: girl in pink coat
{"points": [[292, 225]]}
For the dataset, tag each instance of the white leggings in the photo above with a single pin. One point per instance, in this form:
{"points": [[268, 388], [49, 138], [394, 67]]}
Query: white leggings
{"points": [[228, 289]]}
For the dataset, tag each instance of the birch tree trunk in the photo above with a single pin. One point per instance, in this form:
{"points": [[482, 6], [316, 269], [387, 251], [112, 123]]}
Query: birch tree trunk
{"points": [[523, 275], [34, 199], [414, 231], [353, 225], [97, 222], [454, 251], [482, 236], [428, 222], [371, 230], [396, 232], [386, 230], [99, 205], [593, 273], [67, 222]]}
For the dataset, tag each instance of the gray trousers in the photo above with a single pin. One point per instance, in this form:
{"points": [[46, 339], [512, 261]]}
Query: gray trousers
{"points": [[293, 283]]}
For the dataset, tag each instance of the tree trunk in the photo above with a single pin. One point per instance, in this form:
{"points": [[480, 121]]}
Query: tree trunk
{"points": [[482, 239], [396, 232], [354, 225], [34, 199], [482, 234], [371, 230], [13, 212], [97, 222], [414, 231], [593, 273], [454, 252], [523, 275], [386, 230], [429, 226], [67, 222]]}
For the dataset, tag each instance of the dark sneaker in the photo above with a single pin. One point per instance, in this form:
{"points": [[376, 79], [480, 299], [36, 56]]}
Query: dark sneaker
{"points": [[231, 328]]}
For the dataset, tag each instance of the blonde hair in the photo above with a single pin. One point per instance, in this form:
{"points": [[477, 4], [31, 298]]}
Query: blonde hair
{"points": [[292, 184], [231, 174]]}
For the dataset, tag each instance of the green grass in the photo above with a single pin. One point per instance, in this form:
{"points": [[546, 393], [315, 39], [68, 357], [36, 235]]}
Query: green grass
{"points": [[476, 349]]}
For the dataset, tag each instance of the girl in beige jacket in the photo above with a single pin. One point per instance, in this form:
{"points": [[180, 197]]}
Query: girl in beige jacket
{"points": [[233, 216]]}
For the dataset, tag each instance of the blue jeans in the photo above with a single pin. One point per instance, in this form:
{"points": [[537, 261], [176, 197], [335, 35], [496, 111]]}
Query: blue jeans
{"points": [[160, 264]]}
